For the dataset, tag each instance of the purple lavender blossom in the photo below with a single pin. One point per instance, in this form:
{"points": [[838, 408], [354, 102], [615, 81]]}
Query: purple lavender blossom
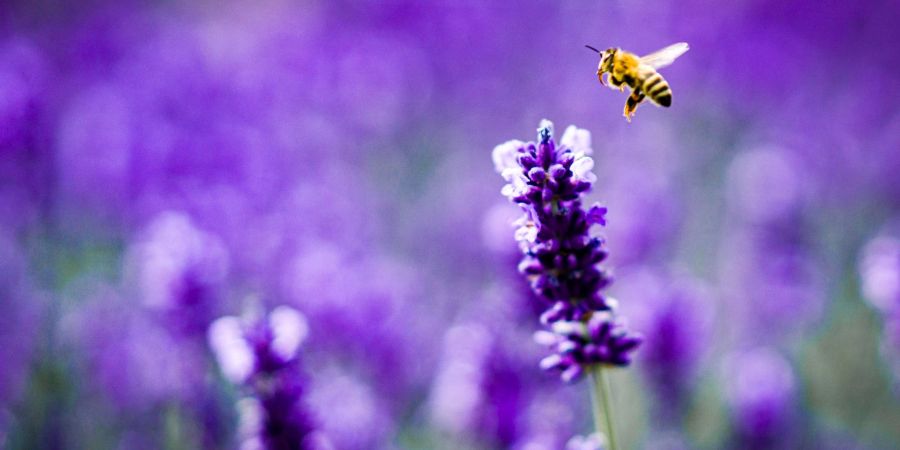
{"points": [[676, 316], [602, 339], [485, 389], [481, 389], [262, 356], [178, 271], [172, 113], [560, 254], [761, 392], [457, 393], [124, 349], [549, 420], [362, 306], [352, 413]]}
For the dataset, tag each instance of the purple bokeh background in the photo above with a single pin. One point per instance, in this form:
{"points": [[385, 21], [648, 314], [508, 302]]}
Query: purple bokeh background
{"points": [[163, 164]]}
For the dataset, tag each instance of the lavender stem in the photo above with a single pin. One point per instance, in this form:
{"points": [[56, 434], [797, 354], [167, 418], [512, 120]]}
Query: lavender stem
{"points": [[600, 403]]}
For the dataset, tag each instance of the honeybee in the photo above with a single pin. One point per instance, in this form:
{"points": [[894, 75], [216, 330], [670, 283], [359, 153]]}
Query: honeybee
{"points": [[638, 73]]}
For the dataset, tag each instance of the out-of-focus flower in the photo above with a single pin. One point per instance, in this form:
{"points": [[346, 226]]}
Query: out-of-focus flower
{"points": [[457, 387], [675, 315], [561, 256], [262, 356], [176, 273], [265, 347], [350, 413], [224, 118], [548, 421], [577, 345], [178, 270], [761, 393], [124, 350], [479, 389], [485, 388], [362, 306]]}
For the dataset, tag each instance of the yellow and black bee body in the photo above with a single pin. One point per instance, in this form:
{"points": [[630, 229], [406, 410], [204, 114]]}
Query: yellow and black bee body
{"points": [[639, 74]]}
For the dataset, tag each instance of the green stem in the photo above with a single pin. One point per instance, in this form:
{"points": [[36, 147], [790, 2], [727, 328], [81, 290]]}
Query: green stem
{"points": [[600, 403]]}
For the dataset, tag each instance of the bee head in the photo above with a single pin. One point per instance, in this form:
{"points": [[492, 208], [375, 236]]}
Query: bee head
{"points": [[606, 60]]}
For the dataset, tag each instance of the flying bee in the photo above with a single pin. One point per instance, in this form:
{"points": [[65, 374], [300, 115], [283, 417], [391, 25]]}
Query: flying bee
{"points": [[639, 73]]}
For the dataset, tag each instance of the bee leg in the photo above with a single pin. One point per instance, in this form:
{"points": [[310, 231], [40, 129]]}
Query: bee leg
{"points": [[632, 103], [615, 83], [616, 78]]}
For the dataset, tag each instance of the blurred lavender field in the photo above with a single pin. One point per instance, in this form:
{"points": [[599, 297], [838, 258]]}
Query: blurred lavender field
{"points": [[164, 165]]}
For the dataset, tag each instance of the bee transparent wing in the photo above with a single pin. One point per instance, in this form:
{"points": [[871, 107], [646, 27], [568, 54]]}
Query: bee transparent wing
{"points": [[666, 56]]}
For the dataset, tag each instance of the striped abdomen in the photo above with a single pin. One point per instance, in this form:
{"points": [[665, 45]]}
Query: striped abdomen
{"points": [[656, 87]]}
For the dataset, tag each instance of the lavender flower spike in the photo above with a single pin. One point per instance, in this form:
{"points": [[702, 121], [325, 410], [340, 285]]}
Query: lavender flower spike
{"points": [[262, 357], [561, 259], [603, 339], [561, 256]]}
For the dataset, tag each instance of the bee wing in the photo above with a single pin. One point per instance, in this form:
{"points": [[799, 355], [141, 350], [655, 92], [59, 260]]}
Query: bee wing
{"points": [[666, 56]]}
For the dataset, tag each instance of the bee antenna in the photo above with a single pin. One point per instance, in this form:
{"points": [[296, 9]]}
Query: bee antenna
{"points": [[592, 48]]}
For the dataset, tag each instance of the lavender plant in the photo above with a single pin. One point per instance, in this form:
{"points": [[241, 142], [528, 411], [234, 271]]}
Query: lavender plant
{"points": [[761, 394], [261, 356], [675, 315], [561, 258], [484, 390], [178, 271]]}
